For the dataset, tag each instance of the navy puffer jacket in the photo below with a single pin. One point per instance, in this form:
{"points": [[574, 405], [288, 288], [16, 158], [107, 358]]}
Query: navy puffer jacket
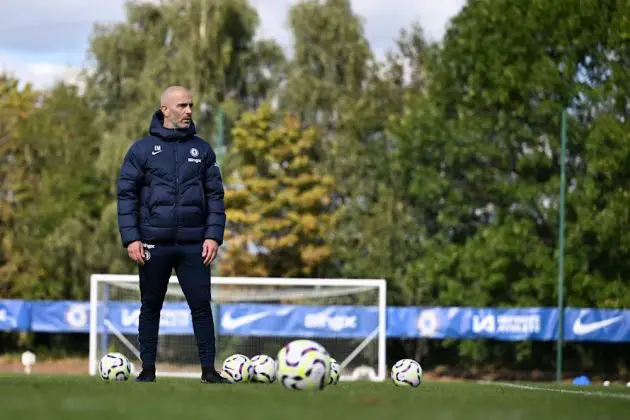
{"points": [[170, 188]]}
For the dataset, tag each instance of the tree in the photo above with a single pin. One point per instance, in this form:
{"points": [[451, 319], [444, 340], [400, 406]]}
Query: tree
{"points": [[205, 45], [482, 158], [378, 230], [57, 148], [330, 60], [497, 144], [278, 202], [15, 180]]}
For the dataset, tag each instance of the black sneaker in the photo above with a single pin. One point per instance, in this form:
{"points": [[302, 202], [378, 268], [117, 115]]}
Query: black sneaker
{"points": [[211, 376], [147, 375]]}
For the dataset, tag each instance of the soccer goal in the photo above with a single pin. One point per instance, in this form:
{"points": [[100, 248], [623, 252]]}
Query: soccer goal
{"points": [[252, 316]]}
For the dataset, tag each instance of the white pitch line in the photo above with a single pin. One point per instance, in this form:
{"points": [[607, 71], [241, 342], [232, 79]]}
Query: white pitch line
{"points": [[560, 390]]}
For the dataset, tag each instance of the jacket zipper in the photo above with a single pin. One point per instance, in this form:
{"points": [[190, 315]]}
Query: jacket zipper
{"points": [[176, 197], [203, 198]]}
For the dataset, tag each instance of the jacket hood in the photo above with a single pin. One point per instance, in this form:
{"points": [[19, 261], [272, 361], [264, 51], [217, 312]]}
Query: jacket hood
{"points": [[157, 129]]}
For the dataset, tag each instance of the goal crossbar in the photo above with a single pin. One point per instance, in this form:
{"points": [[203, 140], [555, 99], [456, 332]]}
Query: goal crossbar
{"points": [[258, 281]]}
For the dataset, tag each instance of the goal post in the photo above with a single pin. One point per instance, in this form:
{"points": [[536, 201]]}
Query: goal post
{"points": [[252, 315]]}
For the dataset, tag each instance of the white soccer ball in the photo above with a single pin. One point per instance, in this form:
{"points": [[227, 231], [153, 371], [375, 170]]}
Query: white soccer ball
{"points": [[263, 369], [335, 370], [236, 368], [303, 365], [407, 372], [114, 367]]}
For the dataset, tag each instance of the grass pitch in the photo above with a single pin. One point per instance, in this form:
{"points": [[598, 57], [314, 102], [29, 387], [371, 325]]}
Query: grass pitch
{"points": [[81, 397]]}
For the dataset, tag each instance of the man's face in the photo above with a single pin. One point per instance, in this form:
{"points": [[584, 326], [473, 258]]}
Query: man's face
{"points": [[177, 109]]}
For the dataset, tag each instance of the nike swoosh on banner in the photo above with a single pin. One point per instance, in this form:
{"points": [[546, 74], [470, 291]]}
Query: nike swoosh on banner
{"points": [[582, 329], [233, 323]]}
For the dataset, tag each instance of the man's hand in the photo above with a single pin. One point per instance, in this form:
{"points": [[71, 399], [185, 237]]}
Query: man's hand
{"points": [[209, 251], [136, 252]]}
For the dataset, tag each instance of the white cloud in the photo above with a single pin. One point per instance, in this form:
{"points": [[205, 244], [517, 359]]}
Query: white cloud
{"points": [[43, 41], [46, 26], [40, 74], [382, 19]]}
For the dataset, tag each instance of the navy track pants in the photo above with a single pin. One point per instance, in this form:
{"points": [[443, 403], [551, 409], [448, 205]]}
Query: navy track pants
{"points": [[194, 279]]}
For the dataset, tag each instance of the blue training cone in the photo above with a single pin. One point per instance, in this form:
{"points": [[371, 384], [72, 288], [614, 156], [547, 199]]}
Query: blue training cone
{"points": [[581, 380]]}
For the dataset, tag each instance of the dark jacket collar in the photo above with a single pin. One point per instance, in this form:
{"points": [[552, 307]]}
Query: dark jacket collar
{"points": [[157, 129]]}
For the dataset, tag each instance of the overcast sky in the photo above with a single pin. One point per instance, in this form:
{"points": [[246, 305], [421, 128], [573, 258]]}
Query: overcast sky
{"points": [[44, 40]]}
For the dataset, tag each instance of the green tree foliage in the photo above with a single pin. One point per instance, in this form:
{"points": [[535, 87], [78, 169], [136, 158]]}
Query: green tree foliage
{"points": [[482, 156], [335, 82], [278, 201], [58, 145], [330, 58], [15, 180], [378, 233], [206, 45], [488, 144]]}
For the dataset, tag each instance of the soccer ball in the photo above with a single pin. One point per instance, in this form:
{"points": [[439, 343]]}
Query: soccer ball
{"points": [[335, 369], [114, 367], [303, 365], [263, 369], [407, 372], [236, 368]]}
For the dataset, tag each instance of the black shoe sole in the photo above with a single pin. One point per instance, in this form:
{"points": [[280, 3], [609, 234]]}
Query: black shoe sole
{"points": [[220, 382]]}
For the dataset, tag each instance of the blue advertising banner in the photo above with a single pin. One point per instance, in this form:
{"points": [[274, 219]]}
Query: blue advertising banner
{"points": [[505, 324], [298, 321], [514, 324], [175, 318], [597, 325], [60, 316], [14, 315]]}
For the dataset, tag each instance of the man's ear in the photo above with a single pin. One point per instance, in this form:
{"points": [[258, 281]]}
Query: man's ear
{"points": [[164, 109]]}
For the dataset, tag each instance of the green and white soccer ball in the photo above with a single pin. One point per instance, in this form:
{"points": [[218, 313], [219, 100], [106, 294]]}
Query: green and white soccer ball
{"points": [[263, 369], [236, 368], [303, 365], [407, 372], [335, 371], [114, 367]]}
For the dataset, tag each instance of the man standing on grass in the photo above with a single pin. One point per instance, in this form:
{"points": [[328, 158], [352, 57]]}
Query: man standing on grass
{"points": [[171, 215]]}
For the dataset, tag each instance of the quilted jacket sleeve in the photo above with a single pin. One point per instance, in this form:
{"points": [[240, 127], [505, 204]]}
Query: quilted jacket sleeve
{"points": [[213, 185], [128, 190]]}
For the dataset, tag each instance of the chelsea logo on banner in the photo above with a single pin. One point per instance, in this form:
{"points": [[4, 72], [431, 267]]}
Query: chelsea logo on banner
{"points": [[194, 152]]}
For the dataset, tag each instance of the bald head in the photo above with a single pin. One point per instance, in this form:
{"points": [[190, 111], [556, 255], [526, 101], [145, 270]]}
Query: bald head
{"points": [[176, 104]]}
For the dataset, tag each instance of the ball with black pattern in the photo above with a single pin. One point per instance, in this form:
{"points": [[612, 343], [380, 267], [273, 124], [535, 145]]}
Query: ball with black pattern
{"points": [[263, 369], [407, 373], [303, 365], [335, 371], [237, 368], [114, 367]]}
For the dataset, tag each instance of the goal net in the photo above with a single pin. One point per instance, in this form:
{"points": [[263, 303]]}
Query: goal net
{"points": [[252, 316]]}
